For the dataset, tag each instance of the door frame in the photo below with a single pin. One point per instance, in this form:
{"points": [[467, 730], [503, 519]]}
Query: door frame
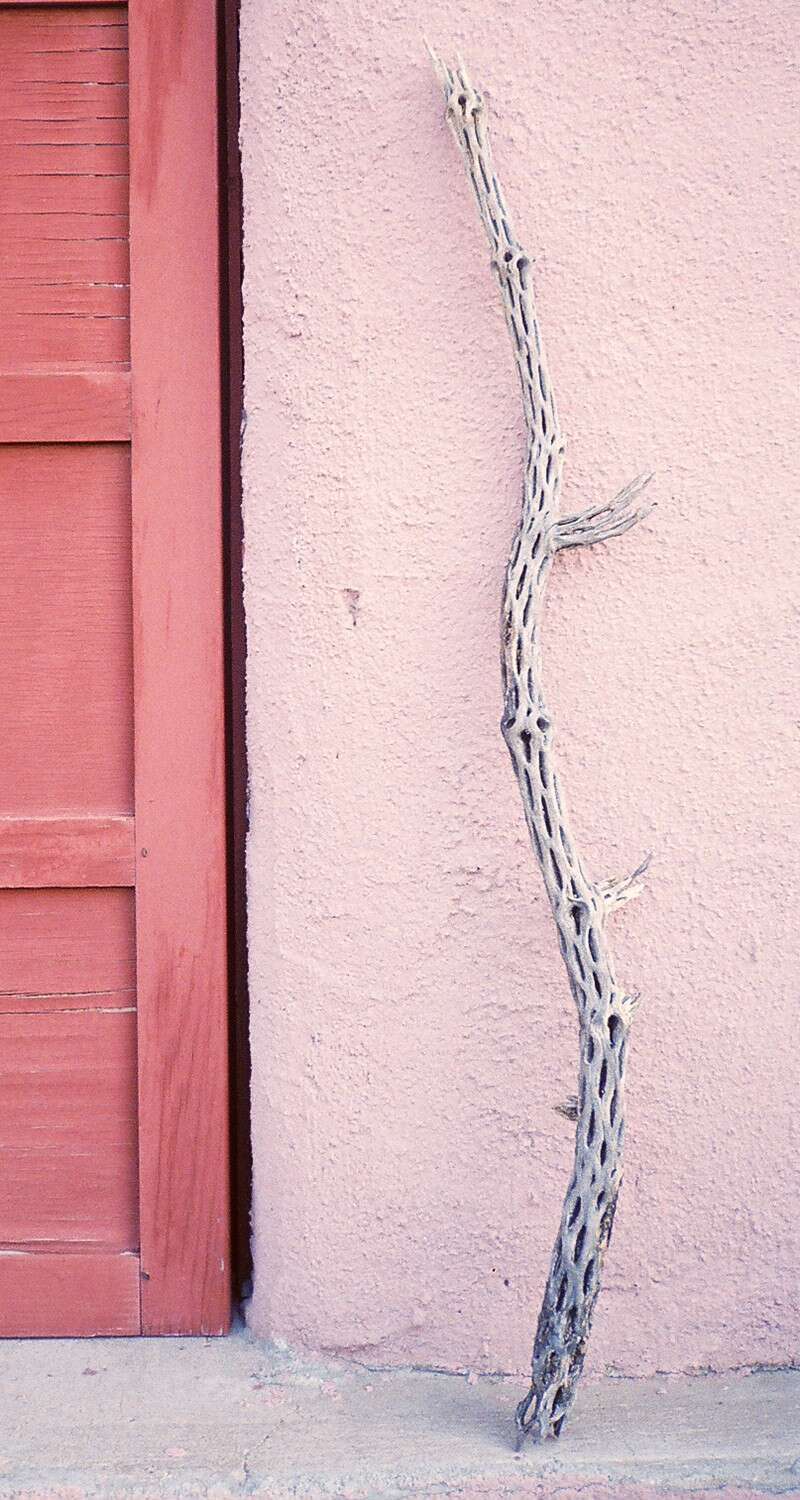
{"points": [[216, 1203], [226, 364], [179, 693]]}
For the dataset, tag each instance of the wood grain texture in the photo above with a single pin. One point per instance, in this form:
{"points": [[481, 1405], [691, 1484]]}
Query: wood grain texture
{"points": [[61, 193], [68, 1128], [66, 949], [72, 27], [64, 261], [60, 54], [64, 176], [63, 227], [65, 326], [63, 101], [86, 407], [62, 1295], [64, 158], [31, 1005], [66, 852], [178, 657], [66, 735], [43, 9], [28, 130]]}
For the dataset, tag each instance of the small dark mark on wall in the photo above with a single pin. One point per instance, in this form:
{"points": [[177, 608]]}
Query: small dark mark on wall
{"points": [[352, 599]]}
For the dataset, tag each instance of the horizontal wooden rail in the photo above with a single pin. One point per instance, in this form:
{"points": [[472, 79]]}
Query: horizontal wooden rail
{"points": [[57, 1294], [91, 406], [17, 4], [66, 852]]}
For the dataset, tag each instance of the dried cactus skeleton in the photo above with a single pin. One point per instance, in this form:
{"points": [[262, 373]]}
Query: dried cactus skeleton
{"points": [[580, 906]]}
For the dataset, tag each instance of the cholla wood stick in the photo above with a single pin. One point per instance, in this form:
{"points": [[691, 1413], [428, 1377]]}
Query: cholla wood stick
{"points": [[580, 906]]}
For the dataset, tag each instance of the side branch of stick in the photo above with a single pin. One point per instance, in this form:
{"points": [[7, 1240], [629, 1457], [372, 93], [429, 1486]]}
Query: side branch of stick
{"points": [[580, 907]]}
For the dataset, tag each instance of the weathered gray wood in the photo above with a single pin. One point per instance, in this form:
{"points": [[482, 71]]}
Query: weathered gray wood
{"points": [[580, 906]]}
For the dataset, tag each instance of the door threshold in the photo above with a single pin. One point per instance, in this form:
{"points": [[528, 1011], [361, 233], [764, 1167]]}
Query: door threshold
{"points": [[232, 1416]]}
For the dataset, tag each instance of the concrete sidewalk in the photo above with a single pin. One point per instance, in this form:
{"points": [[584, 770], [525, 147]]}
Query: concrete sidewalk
{"points": [[231, 1417]]}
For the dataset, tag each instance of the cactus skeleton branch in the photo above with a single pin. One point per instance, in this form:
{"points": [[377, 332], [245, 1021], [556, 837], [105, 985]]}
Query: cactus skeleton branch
{"points": [[580, 907]]}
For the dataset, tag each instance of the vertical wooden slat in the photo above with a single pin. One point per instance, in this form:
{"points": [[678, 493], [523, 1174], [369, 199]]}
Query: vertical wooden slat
{"points": [[178, 667]]}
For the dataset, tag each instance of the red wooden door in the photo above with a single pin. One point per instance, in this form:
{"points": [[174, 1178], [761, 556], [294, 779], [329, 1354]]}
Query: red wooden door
{"points": [[113, 1110]]}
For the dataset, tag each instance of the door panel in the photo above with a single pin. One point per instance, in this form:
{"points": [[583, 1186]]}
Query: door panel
{"points": [[68, 1127], [59, 945], [113, 1108], [66, 674]]}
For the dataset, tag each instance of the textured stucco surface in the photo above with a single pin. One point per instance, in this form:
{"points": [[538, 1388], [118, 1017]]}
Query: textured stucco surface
{"points": [[411, 1024]]}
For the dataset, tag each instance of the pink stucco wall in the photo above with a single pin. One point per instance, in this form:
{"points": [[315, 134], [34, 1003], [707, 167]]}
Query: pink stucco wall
{"points": [[411, 1025]]}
